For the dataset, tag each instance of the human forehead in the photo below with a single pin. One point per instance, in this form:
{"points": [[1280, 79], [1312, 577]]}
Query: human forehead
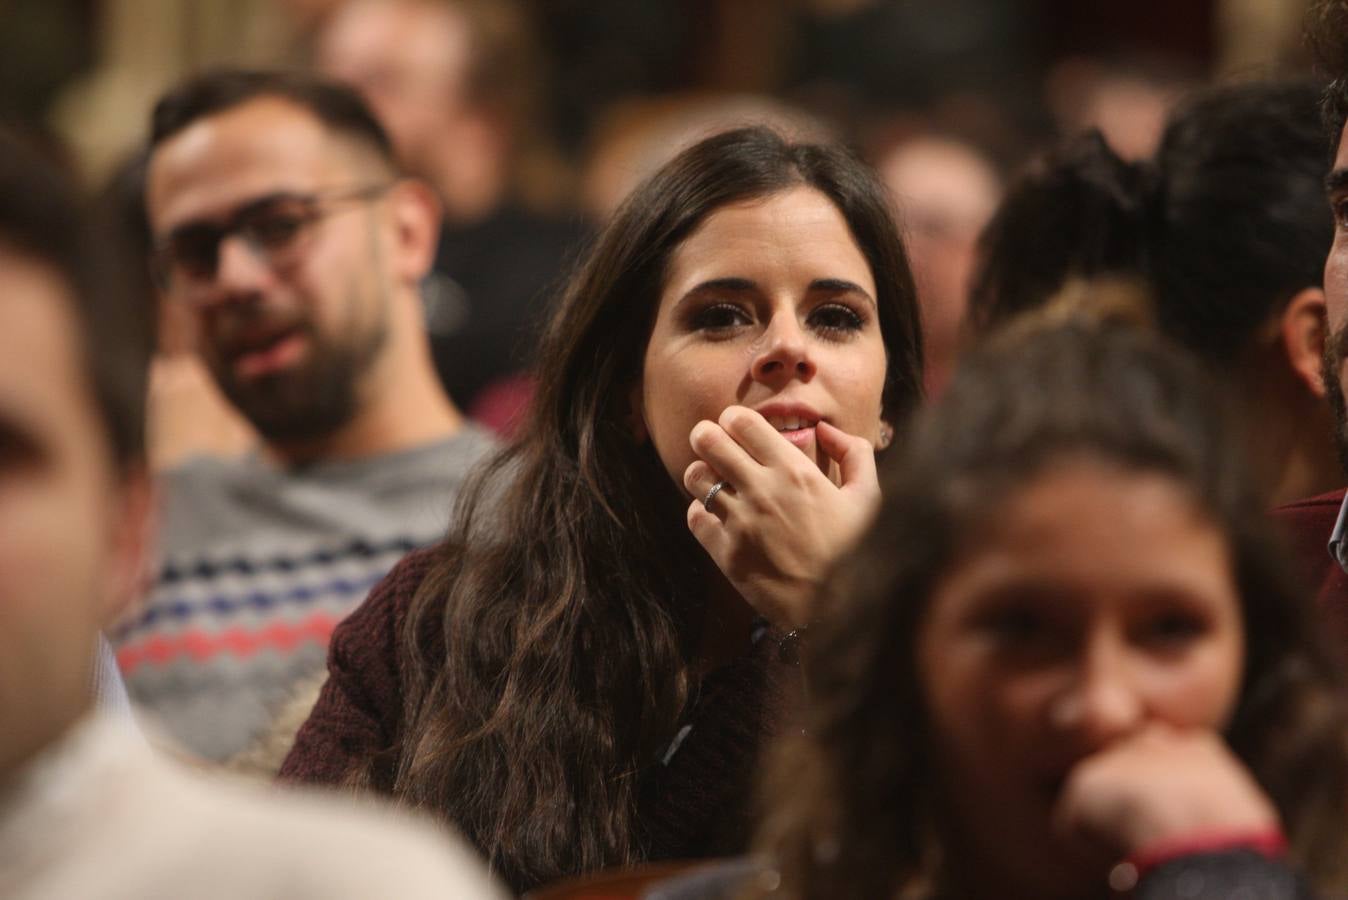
{"points": [[1099, 528], [260, 147], [408, 36], [798, 231], [44, 380]]}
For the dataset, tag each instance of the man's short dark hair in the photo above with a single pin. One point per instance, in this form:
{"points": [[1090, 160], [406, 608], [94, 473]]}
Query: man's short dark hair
{"points": [[42, 217], [338, 107], [1327, 35]]}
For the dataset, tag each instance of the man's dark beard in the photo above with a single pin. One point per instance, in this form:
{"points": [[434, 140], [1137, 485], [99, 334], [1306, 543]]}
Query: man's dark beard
{"points": [[1331, 364], [311, 401]]}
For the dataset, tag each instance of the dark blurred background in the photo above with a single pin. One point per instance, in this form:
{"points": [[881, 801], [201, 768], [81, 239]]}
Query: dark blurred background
{"points": [[536, 132]]}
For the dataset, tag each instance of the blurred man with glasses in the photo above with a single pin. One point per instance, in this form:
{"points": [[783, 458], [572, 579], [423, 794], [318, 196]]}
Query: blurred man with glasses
{"points": [[281, 222]]}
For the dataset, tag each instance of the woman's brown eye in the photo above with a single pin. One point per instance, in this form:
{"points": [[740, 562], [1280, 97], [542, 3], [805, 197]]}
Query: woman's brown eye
{"points": [[719, 317], [1014, 625], [836, 318], [1176, 627]]}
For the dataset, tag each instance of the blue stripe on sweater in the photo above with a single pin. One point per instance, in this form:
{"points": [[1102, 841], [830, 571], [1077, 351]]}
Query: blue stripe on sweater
{"points": [[326, 556], [177, 609]]}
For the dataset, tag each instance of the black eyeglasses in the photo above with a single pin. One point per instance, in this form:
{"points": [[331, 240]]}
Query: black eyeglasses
{"points": [[273, 227]]}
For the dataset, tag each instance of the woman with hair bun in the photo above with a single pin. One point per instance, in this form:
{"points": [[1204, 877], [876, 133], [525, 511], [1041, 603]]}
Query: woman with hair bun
{"points": [[582, 674]]}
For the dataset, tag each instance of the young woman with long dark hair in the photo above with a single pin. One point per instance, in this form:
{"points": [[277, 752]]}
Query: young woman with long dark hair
{"points": [[578, 677], [1065, 660]]}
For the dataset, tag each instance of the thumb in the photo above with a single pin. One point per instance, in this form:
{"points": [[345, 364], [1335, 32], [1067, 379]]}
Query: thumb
{"points": [[854, 455]]}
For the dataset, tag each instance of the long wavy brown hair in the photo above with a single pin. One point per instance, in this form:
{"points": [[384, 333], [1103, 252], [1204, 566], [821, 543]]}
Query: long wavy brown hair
{"points": [[853, 810], [547, 656]]}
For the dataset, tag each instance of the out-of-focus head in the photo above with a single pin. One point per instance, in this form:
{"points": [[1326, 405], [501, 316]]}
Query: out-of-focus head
{"points": [[945, 192], [1078, 213], [1069, 549], [1241, 225], [279, 218], [437, 73], [74, 352], [1228, 226], [747, 270], [1127, 100], [1229, 223]]}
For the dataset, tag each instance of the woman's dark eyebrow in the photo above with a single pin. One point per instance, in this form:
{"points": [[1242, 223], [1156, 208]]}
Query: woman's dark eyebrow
{"points": [[1336, 181], [744, 285], [727, 285], [840, 286]]}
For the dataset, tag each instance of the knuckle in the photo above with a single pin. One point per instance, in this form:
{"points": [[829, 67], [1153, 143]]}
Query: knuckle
{"points": [[703, 437], [800, 474], [731, 417]]}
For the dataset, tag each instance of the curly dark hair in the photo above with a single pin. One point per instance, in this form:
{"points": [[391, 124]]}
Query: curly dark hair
{"points": [[1327, 35], [567, 602], [855, 813]]}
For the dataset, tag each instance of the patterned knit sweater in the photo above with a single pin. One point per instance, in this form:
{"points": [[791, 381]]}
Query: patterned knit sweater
{"points": [[698, 798], [258, 564]]}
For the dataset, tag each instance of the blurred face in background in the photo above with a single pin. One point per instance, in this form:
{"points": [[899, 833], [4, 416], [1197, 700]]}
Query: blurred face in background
{"points": [[409, 59], [64, 531], [1099, 602], [945, 193], [294, 321]]}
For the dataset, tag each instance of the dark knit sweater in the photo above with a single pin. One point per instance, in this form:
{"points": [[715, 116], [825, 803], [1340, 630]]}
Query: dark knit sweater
{"points": [[696, 802]]}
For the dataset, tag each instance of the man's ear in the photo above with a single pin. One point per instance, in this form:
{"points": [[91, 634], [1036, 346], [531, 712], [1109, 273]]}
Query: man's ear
{"points": [[1302, 331], [133, 525], [636, 414], [415, 210]]}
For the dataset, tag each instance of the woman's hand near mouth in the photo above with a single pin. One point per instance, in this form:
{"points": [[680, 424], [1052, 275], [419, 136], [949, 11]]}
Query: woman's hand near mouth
{"points": [[1159, 786], [780, 523]]}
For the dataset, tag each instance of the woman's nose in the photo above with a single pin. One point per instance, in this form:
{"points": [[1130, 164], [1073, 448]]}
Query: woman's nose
{"points": [[1102, 702], [783, 352]]}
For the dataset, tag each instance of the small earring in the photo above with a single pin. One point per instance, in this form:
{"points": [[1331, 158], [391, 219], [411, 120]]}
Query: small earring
{"points": [[886, 435]]}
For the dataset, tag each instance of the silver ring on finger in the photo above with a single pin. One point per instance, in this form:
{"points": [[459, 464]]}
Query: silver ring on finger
{"points": [[711, 494]]}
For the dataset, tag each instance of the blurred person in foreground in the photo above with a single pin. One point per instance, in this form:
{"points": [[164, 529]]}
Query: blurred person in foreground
{"points": [[1228, 229], [87, 809], [454, 82], [280, 220], [1066, 662]]}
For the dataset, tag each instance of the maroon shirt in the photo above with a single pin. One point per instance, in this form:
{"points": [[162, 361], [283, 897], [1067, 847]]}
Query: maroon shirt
{"points": [[696, 804], [1307, 524]]}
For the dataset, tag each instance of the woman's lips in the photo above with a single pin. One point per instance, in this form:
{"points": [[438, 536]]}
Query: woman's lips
{"points": [[795, 422], [802, 437]]}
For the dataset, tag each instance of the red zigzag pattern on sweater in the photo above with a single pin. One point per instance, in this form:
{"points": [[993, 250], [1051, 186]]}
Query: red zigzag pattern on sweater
{"points": [[240, 642]]}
